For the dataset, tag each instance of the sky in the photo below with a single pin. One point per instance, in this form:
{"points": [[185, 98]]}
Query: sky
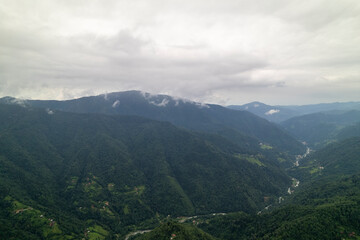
{"points": [[225, 52]]}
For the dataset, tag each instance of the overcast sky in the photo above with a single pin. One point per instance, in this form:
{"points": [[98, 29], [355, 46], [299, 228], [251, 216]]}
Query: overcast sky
{"points": [[225, 52]]}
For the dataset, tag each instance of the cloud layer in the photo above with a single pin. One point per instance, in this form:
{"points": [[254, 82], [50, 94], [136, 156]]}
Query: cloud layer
{"points": [[275, 51]]}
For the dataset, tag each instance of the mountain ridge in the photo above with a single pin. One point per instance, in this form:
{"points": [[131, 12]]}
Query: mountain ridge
{"points": [[319, 129], [280, 113], [180, 112]]}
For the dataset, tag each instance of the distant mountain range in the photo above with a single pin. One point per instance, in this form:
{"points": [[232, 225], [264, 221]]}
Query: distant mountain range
{"points": [[319, 129], [184, 113], [284, 112]]}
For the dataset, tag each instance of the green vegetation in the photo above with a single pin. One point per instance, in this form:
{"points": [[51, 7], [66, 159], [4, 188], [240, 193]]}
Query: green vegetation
{"points": [[337, 159], [321, 129], [327, 210], [349, 131], [252, 159], [96, 232], [122, 173], [172, 231], [23, 220], [326, 205], [93, 176], [314, 170], [266, 147], [208, 118]]}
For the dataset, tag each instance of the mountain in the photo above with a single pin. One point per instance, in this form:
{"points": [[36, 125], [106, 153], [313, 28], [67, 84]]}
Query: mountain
{"points": [[271, 113], [318, 129], [281, 113], [69, 175], [325, 107], [191, 115], [324, 210], [336, 159], [326, 205], [349, 131]]}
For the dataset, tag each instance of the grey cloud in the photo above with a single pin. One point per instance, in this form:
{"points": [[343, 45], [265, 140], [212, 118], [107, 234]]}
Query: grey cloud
{"points": [[203, 50]]}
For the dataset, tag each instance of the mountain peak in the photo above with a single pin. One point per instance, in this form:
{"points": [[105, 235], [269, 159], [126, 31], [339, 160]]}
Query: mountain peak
{"points": [[158, 100]]}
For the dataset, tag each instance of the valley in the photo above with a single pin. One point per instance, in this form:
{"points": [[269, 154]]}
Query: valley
{"points": [[82, 169], [179, 120]]}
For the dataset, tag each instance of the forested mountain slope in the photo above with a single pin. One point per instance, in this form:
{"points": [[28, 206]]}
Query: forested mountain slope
{"points": [[349, 131], [326, 205], [272, 113], [66, 173], [191, 115], [337, 159], [327, 209], [319, 129]]}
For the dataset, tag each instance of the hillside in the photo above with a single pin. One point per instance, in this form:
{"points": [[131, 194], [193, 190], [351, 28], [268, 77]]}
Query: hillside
{"points": [[319, 129], [323, 210], [325, 107], [271, 113], [106, 173], [349, 131], [325, 205], [173, 230], [180, 112], [337, 159]]}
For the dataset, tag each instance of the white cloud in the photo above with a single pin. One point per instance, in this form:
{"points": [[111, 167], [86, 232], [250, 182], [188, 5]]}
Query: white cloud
{"points": [[18, 101], [49, 111], [201, 105], [163, 103], [272, 111], [106, 96], [115, 104]]}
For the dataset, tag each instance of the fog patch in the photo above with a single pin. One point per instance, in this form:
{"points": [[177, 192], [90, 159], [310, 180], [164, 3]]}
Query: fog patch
{"points": [[115, 104], [17, 101], [272, 111], [201, 105], [106, 96], [163, 103], [49, 111]]}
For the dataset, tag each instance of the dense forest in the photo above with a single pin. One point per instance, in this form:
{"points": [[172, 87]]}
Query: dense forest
{"points": [[325, 206], [320, 129], [208, 118], [113, 173], [70, 171], [327, 210], [333, 161]]}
